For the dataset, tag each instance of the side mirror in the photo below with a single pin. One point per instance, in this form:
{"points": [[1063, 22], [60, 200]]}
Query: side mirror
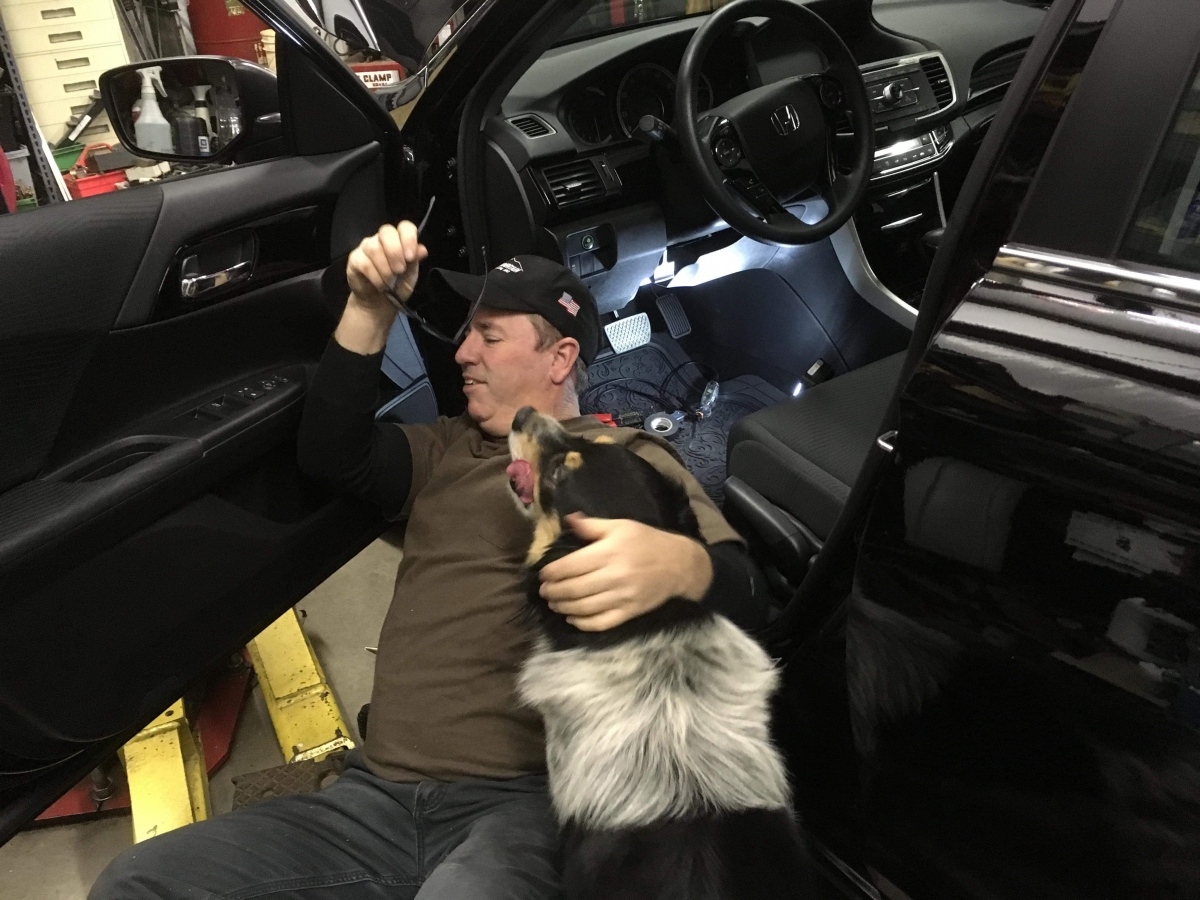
{"points": [[194, 108]]}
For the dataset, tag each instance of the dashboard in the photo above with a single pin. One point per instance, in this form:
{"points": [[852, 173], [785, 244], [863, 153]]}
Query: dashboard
{"points": [[595, 116], [608, 103], [568, 171], [595, 92]]}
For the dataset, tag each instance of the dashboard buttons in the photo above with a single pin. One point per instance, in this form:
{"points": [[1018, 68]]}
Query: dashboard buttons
{"points": [[905, 154]]}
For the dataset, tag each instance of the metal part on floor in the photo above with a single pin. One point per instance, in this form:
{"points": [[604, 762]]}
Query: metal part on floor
{"points": [[168, 784], [308, 723], [305, 777], [663, 424]]}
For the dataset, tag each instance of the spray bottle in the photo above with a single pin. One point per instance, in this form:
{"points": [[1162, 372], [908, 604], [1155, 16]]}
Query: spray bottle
{"points": [[152, 130], [200, 92]]}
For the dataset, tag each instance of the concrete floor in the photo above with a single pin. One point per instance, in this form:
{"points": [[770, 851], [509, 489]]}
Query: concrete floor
{"points": [[343, 615]]}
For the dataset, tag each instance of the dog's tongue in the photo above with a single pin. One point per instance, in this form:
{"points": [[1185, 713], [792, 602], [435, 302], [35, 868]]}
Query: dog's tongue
{"points": [[520, 476]]}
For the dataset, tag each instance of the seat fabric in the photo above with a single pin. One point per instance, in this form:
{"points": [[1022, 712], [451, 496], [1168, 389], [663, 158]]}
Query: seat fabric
{"points": [[805, 454]]}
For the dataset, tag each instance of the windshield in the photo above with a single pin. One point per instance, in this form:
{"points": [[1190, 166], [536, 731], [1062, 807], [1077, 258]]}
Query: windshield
{"points": [[609, 15], [408, 32]]}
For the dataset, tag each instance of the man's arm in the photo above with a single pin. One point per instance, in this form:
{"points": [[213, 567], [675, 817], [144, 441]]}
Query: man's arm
{"points": [[629, 569], [339, 438], [738, 589]]}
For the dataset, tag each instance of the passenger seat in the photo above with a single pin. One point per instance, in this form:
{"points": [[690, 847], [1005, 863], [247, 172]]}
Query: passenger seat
{"points": [[804, 455]]}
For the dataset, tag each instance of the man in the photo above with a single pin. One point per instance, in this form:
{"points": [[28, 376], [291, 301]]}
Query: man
{"points": [[448, 797]]}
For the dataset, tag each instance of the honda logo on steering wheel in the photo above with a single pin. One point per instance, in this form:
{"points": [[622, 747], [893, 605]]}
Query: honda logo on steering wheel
{"points": [[785, 120]]}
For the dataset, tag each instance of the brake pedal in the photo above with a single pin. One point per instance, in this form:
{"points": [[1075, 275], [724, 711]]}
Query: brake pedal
{"points": [[672, 312], [629, 333]]}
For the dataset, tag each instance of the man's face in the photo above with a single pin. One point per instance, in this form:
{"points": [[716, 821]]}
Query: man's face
{"points": [[503, 370]]}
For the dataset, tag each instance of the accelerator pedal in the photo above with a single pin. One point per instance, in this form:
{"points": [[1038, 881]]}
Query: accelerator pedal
{"points": [[629, 333], [673, 314]]}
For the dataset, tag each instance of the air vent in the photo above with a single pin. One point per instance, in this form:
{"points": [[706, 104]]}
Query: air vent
{"points": [[574, 182], [996, 73], [939, 80], [531, 126]]}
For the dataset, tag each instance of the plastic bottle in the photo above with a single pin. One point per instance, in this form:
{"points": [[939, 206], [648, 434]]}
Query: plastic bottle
{"points": [[189, 138], [229, 120], [152, 130], [203, 139]]}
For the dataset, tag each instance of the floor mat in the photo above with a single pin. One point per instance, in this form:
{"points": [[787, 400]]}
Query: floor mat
{"points": [[661, 378]]}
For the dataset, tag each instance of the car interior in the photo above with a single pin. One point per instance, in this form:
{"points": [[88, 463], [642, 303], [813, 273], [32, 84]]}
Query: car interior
{"points": [[758, 326], [767, 360]]}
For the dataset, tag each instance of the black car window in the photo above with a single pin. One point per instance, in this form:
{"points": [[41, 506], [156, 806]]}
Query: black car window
{"points": [[1166, 227]]}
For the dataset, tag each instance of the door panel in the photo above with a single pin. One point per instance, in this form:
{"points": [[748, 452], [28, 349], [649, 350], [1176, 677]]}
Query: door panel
{"points": [[152, 516], [46, 333], [143, 417], [196, 208]]}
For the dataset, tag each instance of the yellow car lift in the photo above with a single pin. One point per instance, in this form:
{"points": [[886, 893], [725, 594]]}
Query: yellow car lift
{"points": [[168, 784], [164, 763]]}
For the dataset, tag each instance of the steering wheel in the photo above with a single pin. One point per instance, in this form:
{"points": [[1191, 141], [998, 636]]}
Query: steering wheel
{"points": [[772, 144]]}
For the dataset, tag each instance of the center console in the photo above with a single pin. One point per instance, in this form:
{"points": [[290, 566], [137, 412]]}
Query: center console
{"points": [[898, 220]]}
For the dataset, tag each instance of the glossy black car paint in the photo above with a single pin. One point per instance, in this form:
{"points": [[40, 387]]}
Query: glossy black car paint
{"points": [[989, 709], [1021, 648]]}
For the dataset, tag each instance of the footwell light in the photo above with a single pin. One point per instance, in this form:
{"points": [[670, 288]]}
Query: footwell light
{"points": [[798, 388]]}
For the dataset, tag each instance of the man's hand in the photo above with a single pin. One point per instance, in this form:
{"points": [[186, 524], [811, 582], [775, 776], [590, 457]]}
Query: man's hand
{"points": [[370, 269], [627, 570]]}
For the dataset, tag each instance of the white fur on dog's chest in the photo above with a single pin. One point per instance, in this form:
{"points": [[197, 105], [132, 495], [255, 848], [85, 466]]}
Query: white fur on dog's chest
{"points": [[660, 727]]}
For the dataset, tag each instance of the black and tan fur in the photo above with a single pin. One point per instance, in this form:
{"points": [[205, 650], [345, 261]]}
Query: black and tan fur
{"points": [[662, 771]]}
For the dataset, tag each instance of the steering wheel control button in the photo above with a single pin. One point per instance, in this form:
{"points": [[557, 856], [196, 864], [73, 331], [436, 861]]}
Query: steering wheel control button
{"points": [[727, 153], [756, 193], [831, 93]]}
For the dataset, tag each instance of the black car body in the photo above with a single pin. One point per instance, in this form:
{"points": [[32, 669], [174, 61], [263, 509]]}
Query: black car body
{"points": [[992, 667]]}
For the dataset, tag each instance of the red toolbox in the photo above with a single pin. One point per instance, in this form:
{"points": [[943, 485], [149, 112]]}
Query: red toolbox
{"points": [[82, 184]]}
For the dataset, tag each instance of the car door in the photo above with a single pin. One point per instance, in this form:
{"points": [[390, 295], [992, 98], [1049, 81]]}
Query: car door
{"points": [[1005, 704], [152, 516]]}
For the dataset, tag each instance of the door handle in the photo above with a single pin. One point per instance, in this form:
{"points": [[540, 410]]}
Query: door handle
{"points": [[195, 285]]}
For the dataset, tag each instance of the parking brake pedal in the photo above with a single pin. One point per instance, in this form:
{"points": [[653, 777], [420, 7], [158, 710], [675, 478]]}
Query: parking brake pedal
{"points": [[629, 333], [673, 314]]}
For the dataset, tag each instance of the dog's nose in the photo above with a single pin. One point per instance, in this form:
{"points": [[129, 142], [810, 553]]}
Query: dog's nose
{"points": [[521, 419]]}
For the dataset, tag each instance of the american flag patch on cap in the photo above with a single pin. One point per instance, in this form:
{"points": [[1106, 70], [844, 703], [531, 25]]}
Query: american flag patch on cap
{"points": [[567, 302]]}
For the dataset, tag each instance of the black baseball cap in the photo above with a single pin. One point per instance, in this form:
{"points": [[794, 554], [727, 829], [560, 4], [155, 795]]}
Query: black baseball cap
{"points": [[530, 284]]}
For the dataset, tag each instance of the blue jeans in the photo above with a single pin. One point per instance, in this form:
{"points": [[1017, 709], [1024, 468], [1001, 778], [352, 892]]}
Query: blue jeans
{"points": [[361, 838]]}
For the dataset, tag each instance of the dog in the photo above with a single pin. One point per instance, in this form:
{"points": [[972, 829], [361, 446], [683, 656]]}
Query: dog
{"points": [[663, 776]]}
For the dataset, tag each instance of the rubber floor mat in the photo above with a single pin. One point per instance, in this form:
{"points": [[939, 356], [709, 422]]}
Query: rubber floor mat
{"points": [[661, 378]]}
